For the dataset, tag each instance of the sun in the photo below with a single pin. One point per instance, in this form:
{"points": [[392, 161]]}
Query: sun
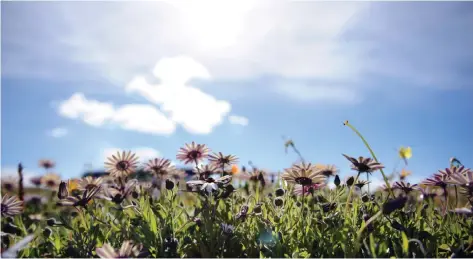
{"points": [[214, 24]]}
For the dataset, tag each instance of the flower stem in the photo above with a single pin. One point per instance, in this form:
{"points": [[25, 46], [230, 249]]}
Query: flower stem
{"points": [[349, 195], [372, 153]]}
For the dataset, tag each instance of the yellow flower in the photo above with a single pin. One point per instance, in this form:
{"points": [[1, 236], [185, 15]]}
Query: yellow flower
{"points": [[405, 153], [235, 169], [405, 173], [72, 184]]}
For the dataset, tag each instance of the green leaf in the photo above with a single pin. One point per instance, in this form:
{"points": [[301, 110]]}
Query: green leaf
{"points": [[444, 247], [405, 244]]}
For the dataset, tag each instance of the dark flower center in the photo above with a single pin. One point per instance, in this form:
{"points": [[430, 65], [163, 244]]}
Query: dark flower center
{"points": [[363, 168], [303, 181], [50, 183], [3, 208], [194, 154], [210, 180], [123, 165], [327, 172]]}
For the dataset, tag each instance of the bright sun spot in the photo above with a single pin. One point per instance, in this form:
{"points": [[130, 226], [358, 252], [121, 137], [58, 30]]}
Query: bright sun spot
{"points": [[215, 24]]}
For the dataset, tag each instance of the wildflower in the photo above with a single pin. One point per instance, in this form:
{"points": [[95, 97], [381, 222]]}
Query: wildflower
{"points": [[280, 192], [308, 189], [326, 207], [177, 175], [361, 183], [51, 180], [11, 206], [169, 184], [119, 194], [405, 153], [464, 179], [52, 222], [336, 181], [159, 166], [220, 160], [87, 196], [127, 250], [364, 165], [303, 174], [394, 204], [365, 198], [63, 192], [438, 179], [455, 170], [466, 212], [258, 210], [350, 181], [278, 202], [327, 170], [122, 164], [405, 187], [87, 182], [227, 229], [46, 164], [209, 185], [243, 212], [9, 184], [36, 181], [255, 175], [192, 153], [234, 169], [404, 173], [206, 171]]}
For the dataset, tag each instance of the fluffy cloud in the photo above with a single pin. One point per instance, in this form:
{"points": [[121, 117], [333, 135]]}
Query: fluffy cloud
{"points": [[144, 153], [188, 106], [350, 43], [137, 117], [239, 120], [58, 132], [196, 111]]}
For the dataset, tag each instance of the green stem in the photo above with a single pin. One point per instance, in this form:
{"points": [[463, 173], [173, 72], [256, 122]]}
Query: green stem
{"points": [[349, 195], [372, 154]]}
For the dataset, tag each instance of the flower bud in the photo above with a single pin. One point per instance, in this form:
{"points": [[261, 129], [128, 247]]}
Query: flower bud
{"points": [[278, 202], [280, 192]]}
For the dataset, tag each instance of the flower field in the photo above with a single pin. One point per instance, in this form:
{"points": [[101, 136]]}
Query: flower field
{"points": [[225, 211]]}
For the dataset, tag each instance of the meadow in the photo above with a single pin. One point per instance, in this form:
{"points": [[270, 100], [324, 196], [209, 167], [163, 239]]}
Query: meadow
{"points": [[227, 211]]}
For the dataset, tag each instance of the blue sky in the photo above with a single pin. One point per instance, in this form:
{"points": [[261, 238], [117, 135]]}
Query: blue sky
{"points": [[82, 79]]}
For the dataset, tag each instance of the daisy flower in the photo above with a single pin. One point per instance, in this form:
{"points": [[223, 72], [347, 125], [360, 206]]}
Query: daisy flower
{"points": [[364, 165], [159, 166], [303, 174], [51, 180], [220, 160], [121, 164], [193, 153], [11, 206], [127, 250]]}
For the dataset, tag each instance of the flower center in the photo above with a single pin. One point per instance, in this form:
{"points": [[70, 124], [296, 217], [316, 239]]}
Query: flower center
{"points": [[8, 186], [303, 181], [122, 165], [363, 168], [193, 154], [210, 180], [50, 183], [3, 208]]}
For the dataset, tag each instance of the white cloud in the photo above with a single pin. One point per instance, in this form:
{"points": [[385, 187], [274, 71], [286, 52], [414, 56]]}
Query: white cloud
{"points": [[347, 42], [144, 153], [196, 111], [58, 132], [239, 120], [137, 117]]}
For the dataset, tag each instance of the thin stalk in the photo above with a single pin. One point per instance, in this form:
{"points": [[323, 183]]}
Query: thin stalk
{"points": [[349, 195], [372, 154], [368, 180], [456, 196]]}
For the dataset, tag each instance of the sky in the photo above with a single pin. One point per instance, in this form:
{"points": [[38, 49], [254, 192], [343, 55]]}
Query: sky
{"points": [[83, 79]]}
